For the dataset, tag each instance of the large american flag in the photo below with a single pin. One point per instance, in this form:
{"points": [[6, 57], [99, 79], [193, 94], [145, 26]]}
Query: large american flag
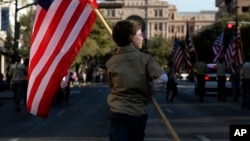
{"points": [[60, 29], [234, 54], [177, 54], [189, 51], [218, 47]]}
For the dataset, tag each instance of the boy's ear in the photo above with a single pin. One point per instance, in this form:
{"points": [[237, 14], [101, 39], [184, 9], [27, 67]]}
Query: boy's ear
{"points": [[130, 37]]}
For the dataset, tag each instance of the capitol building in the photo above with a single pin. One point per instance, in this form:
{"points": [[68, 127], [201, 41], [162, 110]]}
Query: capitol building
{"points": [[160, 18]]}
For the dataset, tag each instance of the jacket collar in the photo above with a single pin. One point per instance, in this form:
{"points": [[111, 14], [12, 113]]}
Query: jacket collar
{"points": [[126, 49]]}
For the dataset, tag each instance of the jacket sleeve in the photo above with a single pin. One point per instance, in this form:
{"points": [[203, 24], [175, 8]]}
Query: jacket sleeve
{"points": [[160, 82]]}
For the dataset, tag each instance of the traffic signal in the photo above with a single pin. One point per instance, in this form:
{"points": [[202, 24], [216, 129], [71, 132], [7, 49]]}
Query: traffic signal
{"points": [[230, 25], [110, 5], [227, 2]]}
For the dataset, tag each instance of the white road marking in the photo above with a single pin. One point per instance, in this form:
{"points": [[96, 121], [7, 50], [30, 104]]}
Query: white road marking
{"points": [[82, 100], [203, 138], [60, 113], [74, 92], [14, 139], [169, 111]]}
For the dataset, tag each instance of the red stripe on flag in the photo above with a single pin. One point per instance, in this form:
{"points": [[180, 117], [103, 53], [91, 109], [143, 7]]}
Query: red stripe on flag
{"points": [[218, 47], [50, 64], [189, 49], [40, 14], [38, 50]]}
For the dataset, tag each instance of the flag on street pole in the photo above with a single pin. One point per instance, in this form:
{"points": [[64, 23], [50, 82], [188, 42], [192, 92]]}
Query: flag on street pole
{"points": [[238, 48], [234, 53], [60, 29], [177, 54], [218, 46], [189, 51]]}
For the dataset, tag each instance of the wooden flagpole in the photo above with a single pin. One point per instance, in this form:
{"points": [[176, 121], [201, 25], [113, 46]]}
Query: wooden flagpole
{"points": [[165, 119], [156, 105]]}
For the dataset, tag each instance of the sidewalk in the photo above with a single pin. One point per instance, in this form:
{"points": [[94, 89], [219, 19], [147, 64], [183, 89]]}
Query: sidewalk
{"points": [[9, 94], [6, 94]]}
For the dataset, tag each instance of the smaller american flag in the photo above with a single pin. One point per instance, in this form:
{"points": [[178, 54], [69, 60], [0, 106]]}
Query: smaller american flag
{"points": [[218, 47], [189, 49], [177, 54], [234, 53]]}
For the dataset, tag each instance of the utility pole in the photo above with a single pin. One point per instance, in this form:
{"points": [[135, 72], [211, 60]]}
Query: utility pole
{"points": [[17, 26]]}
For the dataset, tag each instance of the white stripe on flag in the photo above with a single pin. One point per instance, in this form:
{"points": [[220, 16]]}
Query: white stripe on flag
{"points": [[75, 31]]}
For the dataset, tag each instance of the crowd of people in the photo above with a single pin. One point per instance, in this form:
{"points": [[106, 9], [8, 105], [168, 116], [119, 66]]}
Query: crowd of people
{"points": [[87, 76], [240, 81]]}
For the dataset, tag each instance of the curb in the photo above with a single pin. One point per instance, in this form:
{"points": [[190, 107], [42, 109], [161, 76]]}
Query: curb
{"points": [[6, 94]]}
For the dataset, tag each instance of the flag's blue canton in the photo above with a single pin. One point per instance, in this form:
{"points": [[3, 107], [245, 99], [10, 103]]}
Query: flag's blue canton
{"points": [[176, 44], [45, 3]]}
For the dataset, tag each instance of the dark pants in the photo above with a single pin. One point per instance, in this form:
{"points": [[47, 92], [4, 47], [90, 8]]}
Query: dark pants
{"points": [[236, 90], [66, 93], [18, 88], [201, 86], [221, 88], [25, 92], [125, 127], [171, 89], [246, 93]]}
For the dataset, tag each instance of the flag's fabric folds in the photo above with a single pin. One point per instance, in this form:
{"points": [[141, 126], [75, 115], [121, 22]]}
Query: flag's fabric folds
{"points": [[60, 29], [218, 46], [189, 51], [234, 53], [177, 54]]}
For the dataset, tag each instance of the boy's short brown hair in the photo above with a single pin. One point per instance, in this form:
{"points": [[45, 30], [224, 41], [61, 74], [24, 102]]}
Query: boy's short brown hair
{"points": [[122, 31]]}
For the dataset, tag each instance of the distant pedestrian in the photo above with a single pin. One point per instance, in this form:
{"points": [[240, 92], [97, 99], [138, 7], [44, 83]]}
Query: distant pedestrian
{"points": [[245, 79], [235, 82], [8, 77], [26, 64], [65, 86], [200, 70], [221, 82], [17, 72], [171, 89], [2, 86]]}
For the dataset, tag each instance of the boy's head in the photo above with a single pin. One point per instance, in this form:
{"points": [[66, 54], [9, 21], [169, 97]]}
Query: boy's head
{"points": [[123, 30]]}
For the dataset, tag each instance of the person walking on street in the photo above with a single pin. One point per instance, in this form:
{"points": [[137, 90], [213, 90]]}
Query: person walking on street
{"points": [[26, 64], [235, 82], [221, 75], [171, 88], [18, 72], [245, 79], [65, 83], [129, 72], [200, 70]]}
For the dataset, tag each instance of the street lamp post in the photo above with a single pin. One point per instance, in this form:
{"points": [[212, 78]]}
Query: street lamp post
{"points": [[17, 26], [16, 31]]}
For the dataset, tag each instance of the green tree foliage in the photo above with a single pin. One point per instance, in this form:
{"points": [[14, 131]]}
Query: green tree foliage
{"points": [[97, 45], [26, 22], [160, 48], [203, 42]]}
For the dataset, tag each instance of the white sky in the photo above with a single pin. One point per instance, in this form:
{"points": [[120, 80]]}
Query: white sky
{"points": [[193, 5]]}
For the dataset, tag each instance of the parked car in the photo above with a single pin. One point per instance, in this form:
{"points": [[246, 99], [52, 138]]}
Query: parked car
{"points": [[211, 81], [184, 76], [181, 76]]}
